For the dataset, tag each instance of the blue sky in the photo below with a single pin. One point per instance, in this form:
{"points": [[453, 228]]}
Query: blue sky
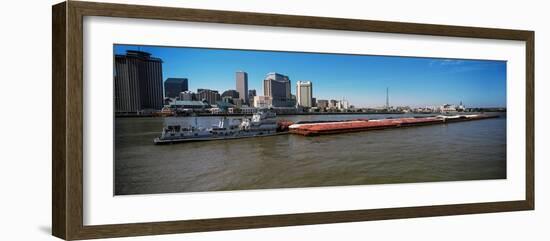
{"points": [[361, 79]]}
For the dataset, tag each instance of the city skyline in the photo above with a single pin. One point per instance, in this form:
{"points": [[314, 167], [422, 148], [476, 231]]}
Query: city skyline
{"points": [[360, 79]]}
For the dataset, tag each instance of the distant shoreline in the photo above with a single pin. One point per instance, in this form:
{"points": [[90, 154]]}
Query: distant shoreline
{"points": [[244, 114], [305, 113]]}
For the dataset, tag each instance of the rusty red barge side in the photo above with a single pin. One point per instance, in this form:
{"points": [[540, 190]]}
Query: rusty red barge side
{"points": [[324, 128]]}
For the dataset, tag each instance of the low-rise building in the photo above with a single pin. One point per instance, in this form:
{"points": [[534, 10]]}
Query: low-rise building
{"points": [[187, 95], [211, 96], [322, 104], [342, 105], [251, 94], [216, 110], [447, 108], [188, 104], [248, 110], [332, 104], [230, 93], [263, 101], [284, 110]]}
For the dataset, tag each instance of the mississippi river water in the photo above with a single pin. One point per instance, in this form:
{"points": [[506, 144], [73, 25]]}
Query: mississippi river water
{"points": [[474, 150]]}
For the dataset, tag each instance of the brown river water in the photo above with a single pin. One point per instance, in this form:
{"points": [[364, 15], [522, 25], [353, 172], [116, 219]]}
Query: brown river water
{"points": [[474, 150]]}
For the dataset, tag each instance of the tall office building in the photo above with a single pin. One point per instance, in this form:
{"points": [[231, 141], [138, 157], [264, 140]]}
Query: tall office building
{"points": [[241, 81], [304, 93], [138, 82], [277, 86], [174, 86]]}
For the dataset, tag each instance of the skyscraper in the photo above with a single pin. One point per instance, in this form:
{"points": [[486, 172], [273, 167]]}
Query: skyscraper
{"points": [[277, 86], [304, 93], [138, 82], [241, 79], [174, 86]]}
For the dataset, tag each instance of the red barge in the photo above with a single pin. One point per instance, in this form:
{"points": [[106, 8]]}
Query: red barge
{"points": [[335, 127]]}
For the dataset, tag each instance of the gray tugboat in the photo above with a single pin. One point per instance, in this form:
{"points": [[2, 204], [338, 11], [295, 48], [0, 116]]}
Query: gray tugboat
{"points": [[262, 123]]}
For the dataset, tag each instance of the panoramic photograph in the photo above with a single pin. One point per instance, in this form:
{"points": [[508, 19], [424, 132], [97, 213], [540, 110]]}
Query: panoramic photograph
{"points": [[189, 119]]}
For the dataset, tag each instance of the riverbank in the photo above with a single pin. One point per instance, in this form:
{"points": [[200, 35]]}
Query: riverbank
{"points": [[281, 114], [300, 114]]}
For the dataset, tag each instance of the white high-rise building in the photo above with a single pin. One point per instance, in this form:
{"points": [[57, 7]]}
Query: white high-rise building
{"points": [[304, 93]]}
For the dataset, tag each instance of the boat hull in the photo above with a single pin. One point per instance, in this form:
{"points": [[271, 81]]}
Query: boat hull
{"points": [[159, 141]]}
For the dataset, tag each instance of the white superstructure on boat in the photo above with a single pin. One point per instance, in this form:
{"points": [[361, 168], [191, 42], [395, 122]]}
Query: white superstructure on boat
{"points": [[262, 123]]}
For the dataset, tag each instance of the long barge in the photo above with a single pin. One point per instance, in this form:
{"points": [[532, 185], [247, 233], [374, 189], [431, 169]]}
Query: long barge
{"points": [[264, 124], [336, 127]]}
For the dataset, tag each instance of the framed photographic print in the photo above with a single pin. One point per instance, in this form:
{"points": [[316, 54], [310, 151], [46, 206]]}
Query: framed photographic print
{"points": [[171, 120]]}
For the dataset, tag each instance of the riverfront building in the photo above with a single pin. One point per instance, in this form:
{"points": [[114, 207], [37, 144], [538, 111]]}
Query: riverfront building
{"points": [[304, 93], [263, 101], [186, 104], [174, 86], [452, 108], [277, 86], [138, 82], [241, 81], [343, 104], [248, 110], [187, 95], [332, 104], [322, 104], [210, 96]]}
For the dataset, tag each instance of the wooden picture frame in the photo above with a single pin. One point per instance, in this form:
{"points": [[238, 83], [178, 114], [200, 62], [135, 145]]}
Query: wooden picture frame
{"points": [[67, 150]]}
